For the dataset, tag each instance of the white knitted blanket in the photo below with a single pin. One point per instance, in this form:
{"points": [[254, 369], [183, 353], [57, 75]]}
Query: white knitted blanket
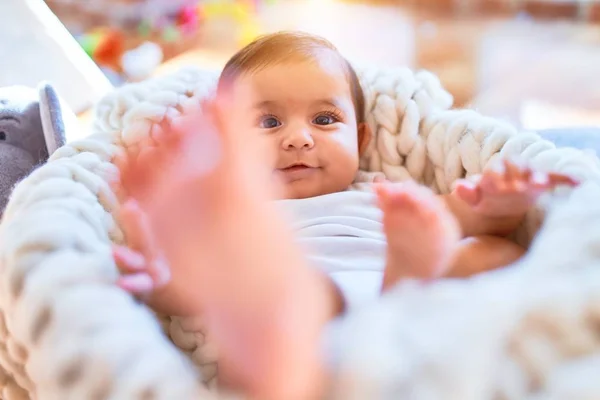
{"points": [[66, 332]]}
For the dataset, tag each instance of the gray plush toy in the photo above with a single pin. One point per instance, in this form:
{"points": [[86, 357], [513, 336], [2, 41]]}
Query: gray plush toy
{"points": [[31, 128]]}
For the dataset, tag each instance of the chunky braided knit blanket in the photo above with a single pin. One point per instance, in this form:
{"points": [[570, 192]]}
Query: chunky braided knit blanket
{"points": [[530, 331]]}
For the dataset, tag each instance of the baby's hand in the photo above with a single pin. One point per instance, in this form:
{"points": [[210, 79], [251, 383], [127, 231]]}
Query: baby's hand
{"points": [[509, 190]]}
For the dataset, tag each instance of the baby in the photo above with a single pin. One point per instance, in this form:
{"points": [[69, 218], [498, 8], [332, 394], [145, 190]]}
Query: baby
{"points": [[206, 201]]}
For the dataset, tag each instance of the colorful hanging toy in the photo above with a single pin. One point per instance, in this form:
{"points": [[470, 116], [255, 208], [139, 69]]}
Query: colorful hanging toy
{"points": [[106, 46], [188, 20], [242, 12]]}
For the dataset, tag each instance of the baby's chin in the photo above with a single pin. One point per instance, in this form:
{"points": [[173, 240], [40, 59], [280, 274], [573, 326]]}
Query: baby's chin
{"points": [[306, 188]]}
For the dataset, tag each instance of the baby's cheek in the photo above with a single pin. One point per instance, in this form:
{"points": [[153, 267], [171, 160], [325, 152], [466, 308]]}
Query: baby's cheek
{"points": [[344, 169], [268, 148], [349, 153]]}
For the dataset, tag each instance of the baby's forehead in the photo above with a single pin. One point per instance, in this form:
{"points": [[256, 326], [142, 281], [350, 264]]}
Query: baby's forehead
{"points": [[299, 80]]}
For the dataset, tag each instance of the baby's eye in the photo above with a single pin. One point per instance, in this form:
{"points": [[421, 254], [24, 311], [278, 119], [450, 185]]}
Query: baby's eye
{"points": [[269, 122], [324, 119]]}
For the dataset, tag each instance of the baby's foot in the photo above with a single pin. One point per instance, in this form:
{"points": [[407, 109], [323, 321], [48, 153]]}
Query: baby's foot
{"points": [[208, 200], [421, 233]]}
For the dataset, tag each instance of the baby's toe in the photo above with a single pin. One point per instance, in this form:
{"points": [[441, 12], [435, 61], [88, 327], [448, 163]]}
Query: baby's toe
{"points": [[405, 195], [423, 201]]}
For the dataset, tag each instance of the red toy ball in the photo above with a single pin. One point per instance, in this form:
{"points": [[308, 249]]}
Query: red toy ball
{"points": [[188, 19]]}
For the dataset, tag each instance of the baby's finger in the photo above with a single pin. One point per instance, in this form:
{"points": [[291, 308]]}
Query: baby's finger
{"points": [[560, 179], [518, 173], [138, 284], [468, 192], [511, 171], [127, 260]]}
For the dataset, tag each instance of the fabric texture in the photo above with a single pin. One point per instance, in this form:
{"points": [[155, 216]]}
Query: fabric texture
{"points": [[343, 236]]}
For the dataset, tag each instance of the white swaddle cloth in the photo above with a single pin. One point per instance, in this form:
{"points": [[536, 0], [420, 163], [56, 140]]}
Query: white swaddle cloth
{"points": [[343, 236]]}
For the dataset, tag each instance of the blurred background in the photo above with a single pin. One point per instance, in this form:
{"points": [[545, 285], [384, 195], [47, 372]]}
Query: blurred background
{"points": [[535, 63]]}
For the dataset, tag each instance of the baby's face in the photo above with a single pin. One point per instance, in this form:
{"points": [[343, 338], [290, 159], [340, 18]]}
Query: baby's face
{"points": [[306, 114]]}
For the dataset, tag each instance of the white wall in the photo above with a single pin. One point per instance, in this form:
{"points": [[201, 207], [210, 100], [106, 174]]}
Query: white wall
{"points": [[35, 46]]}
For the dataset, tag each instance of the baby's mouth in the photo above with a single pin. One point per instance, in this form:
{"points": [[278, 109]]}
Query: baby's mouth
{"points": [[294, 168], [298, 166], [296, 171]]}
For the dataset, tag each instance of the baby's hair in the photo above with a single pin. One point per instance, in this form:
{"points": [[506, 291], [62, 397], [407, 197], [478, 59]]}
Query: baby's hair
{"points": [[287, 47]]}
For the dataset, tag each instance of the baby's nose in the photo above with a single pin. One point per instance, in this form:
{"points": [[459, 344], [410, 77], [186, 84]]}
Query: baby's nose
{"points": [[299, 139]]}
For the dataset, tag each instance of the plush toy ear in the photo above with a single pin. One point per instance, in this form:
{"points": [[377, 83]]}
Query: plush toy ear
{"points": [[52, 117]]}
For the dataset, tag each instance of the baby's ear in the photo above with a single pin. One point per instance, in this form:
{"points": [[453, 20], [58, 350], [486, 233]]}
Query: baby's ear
{"points": [[364, 137]]}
